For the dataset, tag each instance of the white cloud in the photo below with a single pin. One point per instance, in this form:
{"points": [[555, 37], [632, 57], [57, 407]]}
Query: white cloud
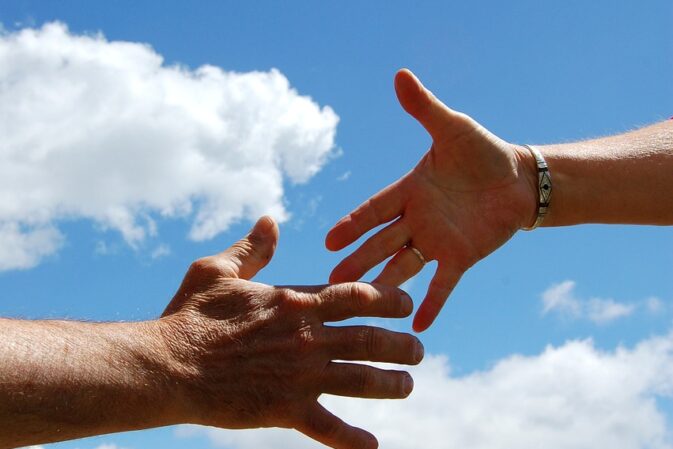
{"points": [[654, 305], [160, 251], [560, 298], [605, 310], [569, 397], [101, 130], [344, 176], [23, 247]]}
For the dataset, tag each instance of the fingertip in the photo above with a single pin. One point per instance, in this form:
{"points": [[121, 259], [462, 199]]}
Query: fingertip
{"points": [[335, 239], [265, 227], [330, 243], [421, 322], [406, 83], [419, 351], [403, 75], [340, 274], [372, 442], [333, 278], [366, 440]]}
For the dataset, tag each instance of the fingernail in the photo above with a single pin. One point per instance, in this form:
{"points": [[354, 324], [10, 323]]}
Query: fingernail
{"points": [[419, 352], [263, 226], [408, 384]]}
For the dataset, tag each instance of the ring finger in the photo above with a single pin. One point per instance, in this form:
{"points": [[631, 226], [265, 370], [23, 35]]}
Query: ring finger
{"points": [[363, 381], [376, 249], [403, 266]]}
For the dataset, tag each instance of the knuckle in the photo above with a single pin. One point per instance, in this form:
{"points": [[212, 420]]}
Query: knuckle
{"points": [[244, 247], [305, 339], [204, 267], [359, 295], [375, 206], [284, 295], [289, 300], [370, 339], [363, 380]]}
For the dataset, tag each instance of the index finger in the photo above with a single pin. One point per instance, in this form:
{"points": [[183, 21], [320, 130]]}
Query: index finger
{"points": [[380, 208], [358, 299]]}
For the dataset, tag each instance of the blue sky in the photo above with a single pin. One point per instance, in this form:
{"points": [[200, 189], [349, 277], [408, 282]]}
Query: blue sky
{"points": [[530, 71]]}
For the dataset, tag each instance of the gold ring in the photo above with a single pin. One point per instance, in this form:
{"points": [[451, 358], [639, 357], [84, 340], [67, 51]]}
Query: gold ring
{"points": [[418, 254]]}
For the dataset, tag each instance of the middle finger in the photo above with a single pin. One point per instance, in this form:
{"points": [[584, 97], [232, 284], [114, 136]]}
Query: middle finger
{"points": [[372, 344]]}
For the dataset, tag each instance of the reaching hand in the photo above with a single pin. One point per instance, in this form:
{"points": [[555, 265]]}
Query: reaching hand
{"points": [[466, 197], [252, 355]]}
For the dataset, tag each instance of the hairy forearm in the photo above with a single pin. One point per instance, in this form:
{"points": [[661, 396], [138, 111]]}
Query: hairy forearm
{"points": [[61, 380], [620, 179]]}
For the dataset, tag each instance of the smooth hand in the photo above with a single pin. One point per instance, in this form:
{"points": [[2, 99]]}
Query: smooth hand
{"points": [[252, 355], [466, 197]]}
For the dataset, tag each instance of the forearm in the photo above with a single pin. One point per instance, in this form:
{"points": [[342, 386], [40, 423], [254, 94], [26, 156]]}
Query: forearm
{"points": [[61, 380], [620, 179]]}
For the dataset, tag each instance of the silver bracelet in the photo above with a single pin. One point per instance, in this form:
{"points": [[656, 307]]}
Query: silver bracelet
{"points": [[544, 187]]}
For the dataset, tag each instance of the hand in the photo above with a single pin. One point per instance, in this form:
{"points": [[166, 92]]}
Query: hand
{"points": [[251, 355], [466, 197]]}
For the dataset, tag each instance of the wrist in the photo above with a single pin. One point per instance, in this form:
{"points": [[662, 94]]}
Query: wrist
{"points": [[527, 173], [174, 373]]}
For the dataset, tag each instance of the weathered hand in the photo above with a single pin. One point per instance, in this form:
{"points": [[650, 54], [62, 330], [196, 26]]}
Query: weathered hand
{"points": [[466, 197], [252, 355]]}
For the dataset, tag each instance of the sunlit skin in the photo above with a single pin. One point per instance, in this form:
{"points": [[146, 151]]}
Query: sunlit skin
{"points": [[227, 352], [472, 191], [467, 196]]}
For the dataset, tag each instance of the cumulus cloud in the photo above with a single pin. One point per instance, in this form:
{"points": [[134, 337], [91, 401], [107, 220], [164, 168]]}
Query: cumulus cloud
{"points": [[560, 298], [105, 131], [569, 397]]}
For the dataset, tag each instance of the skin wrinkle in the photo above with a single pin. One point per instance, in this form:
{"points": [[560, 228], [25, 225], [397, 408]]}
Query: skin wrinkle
{"points": [[472, 191], [226, 352]]}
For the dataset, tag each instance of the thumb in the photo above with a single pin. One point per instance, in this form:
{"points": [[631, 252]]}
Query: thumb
{"points": [[421, 104], [250, 254]]}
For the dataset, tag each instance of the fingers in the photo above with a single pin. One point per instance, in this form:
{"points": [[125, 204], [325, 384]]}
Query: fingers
{"points": [[379, 209], [440, 288], [364, 381], [372, 344], [421, 104], [376, 249], [250, 254], [321, 425], [402, 267], [341, 301]]}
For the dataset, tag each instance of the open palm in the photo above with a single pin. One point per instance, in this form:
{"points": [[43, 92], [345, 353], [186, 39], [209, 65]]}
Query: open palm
{"points": [[466, 197]]}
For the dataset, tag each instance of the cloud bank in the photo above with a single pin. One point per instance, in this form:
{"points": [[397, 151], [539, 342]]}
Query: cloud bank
{"points": [[101, 130], [569, 397], [560, 298]]}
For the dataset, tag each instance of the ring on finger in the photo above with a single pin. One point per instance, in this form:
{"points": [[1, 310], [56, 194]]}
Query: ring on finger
{"points": [[418, 254]]}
